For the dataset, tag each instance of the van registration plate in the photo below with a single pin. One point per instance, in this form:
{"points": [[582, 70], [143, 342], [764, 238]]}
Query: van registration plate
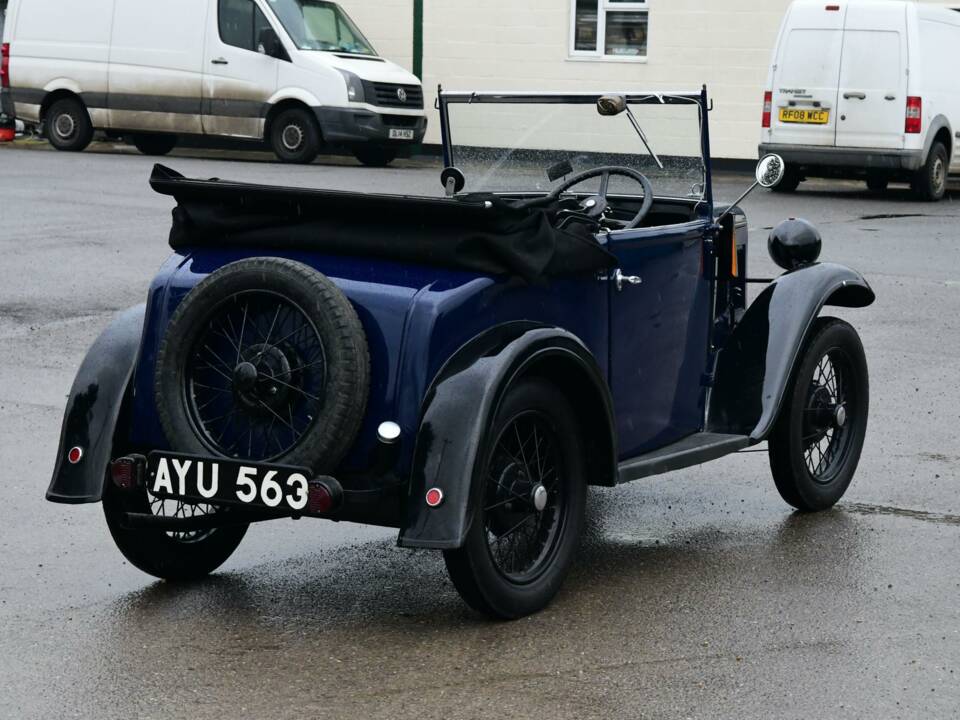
{"points": [[807, 116], [401, 134]]}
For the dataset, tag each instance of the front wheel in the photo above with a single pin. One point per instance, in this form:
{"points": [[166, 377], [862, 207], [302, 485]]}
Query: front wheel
{"points": [[375, 155], [790, 182], [815, 445], [295, 137], [531, 497], [168, 555]]}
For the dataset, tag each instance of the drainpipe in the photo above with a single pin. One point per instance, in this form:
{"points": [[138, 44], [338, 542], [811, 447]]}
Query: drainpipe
{"points": [[418, 38]]}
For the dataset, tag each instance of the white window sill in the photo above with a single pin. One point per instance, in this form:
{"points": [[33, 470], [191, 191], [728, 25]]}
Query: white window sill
{"points": [[636, 59]]}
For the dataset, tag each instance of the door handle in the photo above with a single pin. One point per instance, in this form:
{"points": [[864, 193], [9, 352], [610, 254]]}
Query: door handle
{"points": [[220, 61], [890, 97], [854, 96], [619, 278]]}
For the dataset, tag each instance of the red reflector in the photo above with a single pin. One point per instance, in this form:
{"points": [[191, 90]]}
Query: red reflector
{"points": [[767, 108], [75, 455], [434, 497], [833, 8], [914, 116], [5, 65], [319, 498], [7, 134]]}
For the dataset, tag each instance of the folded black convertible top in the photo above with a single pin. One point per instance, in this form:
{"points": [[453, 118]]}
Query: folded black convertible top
{"points": [[478, 233]]}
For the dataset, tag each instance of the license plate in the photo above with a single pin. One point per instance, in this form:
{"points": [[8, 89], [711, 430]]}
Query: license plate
{"points": [[807, 116], [401, 134], [209, 480]]}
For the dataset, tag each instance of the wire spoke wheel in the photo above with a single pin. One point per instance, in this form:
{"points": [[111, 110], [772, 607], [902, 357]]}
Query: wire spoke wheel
{"points": [[165, 507], [816, 443], [523, 503], [255, 377]]}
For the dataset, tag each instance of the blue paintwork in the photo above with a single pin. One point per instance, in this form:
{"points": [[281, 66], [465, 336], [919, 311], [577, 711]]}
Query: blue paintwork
{"points": [[415, 318]]}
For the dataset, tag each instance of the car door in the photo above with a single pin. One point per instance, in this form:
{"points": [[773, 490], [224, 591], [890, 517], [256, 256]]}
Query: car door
{"points": [[873, 77], [238, 80], [806, 76], [659, 321]]}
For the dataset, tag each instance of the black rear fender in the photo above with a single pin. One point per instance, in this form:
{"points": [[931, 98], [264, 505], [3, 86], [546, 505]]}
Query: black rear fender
{"points": [[462, 403], [755, 365], [94, 408]]}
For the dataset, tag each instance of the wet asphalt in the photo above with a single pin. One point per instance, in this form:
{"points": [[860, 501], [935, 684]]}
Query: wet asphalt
{"points": [[697, 594]]}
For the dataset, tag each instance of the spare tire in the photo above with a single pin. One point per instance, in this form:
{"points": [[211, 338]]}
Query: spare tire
{"points": [[264, 360]]}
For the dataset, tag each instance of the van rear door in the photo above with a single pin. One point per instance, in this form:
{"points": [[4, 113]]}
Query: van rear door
{"points": [[873, 77], [806, 76]]}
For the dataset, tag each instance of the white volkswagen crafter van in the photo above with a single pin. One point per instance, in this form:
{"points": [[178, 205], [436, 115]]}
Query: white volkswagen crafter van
{"points": [[296, 73], [866, 88]]}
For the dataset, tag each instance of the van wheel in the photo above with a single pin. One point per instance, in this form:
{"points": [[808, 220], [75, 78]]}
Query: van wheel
{"points": [[375, 155], [930, 182], [295, 137], [530, 494], [791, 180], [68, 125], [154, 144]]}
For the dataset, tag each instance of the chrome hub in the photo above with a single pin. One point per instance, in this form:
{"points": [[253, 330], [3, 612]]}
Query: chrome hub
{"points": [[292, 137], [539, 496], [64, 125], [840, 416]]}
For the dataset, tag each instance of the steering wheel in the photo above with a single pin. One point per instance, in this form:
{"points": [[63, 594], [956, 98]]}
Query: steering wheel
{"points": [[595, 206]]}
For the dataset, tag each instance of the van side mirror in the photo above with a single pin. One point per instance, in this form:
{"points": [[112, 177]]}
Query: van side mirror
{"points": [[269, 44]]}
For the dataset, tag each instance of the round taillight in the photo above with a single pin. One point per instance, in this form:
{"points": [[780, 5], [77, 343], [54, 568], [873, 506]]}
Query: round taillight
{"points": [[319, 498], [75, 455], [434, 497]]}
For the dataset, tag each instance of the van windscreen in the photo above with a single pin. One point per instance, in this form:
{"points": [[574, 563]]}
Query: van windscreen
{"points": [[320, 25]]}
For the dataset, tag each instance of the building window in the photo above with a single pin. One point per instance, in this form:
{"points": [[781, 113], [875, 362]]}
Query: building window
{"points": [[609, 28]]}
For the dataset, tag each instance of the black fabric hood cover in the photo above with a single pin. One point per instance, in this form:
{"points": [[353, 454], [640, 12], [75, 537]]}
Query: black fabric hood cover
{"points": [[479, 233]]}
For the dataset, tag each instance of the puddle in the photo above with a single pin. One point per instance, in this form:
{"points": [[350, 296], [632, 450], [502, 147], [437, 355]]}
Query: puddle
{"points": [[892, 216], [922, 515]]}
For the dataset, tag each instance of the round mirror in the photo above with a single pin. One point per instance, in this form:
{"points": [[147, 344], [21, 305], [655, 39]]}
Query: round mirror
{"points": [[770, 170]]}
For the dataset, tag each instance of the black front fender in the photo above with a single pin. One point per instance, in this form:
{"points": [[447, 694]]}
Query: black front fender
{"points": [[755, 365], [462, 403], [93, 410]]}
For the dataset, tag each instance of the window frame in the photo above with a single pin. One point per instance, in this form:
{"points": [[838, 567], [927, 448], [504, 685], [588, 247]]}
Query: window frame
{"points": [[253, 39], [603, 8]]}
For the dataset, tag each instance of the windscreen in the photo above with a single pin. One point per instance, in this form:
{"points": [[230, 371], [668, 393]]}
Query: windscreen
{"points": [[519, 147], [318, 25]]}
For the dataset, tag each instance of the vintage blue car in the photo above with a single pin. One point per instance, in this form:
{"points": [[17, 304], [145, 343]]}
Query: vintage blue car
{"points": [[570, 310]]}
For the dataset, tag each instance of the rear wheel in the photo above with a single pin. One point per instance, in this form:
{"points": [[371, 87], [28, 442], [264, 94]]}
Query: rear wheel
{"points": [[930, 182], [375, 155], [815, 446], [154, 144], [791, 180], [295, 137], [167, 555], [68, 125], [531, 499]]}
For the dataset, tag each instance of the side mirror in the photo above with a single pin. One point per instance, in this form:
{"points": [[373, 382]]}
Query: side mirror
{"points": [[770, 171], [609, 105], [269, 44]]}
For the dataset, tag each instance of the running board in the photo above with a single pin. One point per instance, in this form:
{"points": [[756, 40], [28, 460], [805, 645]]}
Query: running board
{"points": [[694, 449]]}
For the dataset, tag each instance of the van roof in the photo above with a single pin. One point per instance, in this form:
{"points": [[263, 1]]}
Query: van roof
{"points": [[946, 11]]}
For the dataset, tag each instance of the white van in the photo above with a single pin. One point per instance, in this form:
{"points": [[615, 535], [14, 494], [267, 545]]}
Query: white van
{"points": [[297, 73], [866, 88]]}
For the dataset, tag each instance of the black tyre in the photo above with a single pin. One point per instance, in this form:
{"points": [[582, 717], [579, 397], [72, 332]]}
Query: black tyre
{"points": [[154, 144], [295, 137], [68, 125], [375, 155], [815, 446], [168, 555], [531, 498], [877, 183], [791, 180], [264, 360], [930, 182]]}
